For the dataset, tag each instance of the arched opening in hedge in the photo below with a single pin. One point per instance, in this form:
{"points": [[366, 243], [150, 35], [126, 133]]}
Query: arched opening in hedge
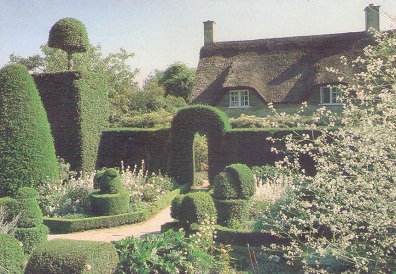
{"points": [[185, 124]]}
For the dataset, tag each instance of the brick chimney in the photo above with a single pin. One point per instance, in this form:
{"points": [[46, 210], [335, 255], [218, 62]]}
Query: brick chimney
{"points": [[372, 17], [208, 32]]}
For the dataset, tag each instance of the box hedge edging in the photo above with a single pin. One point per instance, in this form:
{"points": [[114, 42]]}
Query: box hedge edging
{"points": [[57, 225]]}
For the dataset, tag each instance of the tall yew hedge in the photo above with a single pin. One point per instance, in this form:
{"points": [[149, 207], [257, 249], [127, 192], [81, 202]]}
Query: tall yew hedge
{"points": [[27, 153]]}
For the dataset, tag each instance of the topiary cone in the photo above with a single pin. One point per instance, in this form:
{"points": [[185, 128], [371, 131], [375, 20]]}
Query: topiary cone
{"points": [[27, 153]]}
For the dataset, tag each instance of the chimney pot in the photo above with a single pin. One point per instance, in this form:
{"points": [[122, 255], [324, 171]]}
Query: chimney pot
{"points": [[372, 17], [208, 32]]}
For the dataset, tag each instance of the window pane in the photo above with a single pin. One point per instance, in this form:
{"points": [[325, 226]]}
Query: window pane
{"points": [[325, 95], [244, 98], [233, 98]]}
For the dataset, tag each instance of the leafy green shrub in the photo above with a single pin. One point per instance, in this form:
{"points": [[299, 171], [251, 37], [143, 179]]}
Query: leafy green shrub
{"points": [[196, 207], [27, 154], [31, 237], [244, 178], [200, 152], [158, 119], [225, 186], [12, 259], [176, 206], [69, 256], [30, 212], [232, 213], [110, 182], [174, 252], [109, 204]]}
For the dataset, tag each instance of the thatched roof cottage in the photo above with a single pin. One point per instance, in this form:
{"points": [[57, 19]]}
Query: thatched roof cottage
{"points": [[288, 70]]}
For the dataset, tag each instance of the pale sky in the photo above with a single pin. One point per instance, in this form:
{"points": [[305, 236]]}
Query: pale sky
{"points": [[161, 32]]}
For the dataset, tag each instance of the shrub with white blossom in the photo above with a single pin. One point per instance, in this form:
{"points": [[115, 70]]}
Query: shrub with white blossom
{"points": [[344, 217]]}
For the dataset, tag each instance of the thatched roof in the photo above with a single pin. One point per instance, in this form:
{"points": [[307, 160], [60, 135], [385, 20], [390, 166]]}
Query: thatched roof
{"points": [[279, 69]]}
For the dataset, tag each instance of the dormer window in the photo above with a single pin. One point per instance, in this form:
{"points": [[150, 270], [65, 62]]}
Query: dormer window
{"points": [[239, 98], [330, 96]]}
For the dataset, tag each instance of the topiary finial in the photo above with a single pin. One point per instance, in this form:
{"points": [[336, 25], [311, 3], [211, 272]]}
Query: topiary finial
{"points": [[70, 35]]}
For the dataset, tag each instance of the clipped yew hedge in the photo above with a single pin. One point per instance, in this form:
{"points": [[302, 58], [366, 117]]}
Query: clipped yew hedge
{"points": [[27, 154], [188, 121], [63, 256], [78, 110]]}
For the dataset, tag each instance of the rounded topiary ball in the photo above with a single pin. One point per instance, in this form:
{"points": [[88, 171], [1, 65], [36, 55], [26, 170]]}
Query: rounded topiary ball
{"points": [[197, 207], [110, 182], [225, 186], [244, 178], [70, 35]]}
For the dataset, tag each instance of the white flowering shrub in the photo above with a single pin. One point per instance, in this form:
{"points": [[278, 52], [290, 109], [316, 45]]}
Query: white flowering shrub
{"points": [[145, 186], [72, 196], [343, 218]]}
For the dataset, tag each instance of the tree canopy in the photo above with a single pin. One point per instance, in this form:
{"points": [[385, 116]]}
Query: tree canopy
{"points": [[178, 80]]}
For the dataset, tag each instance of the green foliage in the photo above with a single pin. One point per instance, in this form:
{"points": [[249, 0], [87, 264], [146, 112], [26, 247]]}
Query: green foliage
{"points": [[196, 207], [27, 154], [178, 80], [26, 193], [244, 179], [232, 213], [176, 207], [77, 107], [200, 152], [225, 186], [28, 207], [157, 119], [112, 69], [31, 237], [109, 204], [110, 182], [70, 35], [174, 252], [12, 259], [70, 256]]}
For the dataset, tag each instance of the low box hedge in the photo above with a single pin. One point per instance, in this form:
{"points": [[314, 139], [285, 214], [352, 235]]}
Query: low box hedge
{"points": [[242, 237], [63, 256], [58, 225], [109, 204]]}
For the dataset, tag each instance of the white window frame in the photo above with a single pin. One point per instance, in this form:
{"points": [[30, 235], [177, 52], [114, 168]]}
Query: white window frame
{"points": [[239, 98], [334, 96]]}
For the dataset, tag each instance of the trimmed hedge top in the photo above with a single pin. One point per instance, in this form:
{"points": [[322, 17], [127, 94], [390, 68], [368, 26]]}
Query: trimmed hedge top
{"points": [[69, 34], [27, 153], [201, 118]]}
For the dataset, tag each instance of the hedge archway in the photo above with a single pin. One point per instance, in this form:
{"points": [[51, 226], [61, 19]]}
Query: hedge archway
{"points": [[187, 122]]}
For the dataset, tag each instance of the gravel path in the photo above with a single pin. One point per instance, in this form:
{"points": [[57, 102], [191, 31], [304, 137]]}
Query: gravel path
{"points": [[151, 226]]}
